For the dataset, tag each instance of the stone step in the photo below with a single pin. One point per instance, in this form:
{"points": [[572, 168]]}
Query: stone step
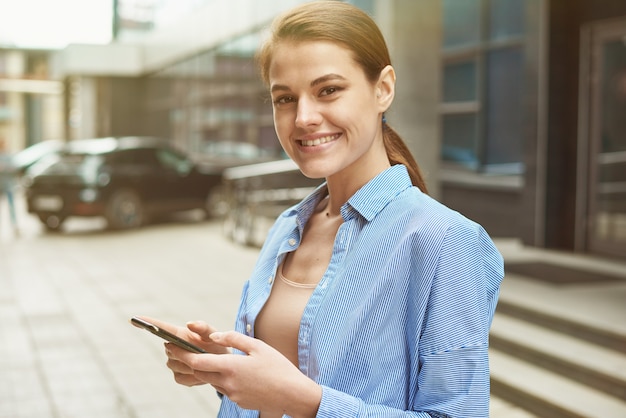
{"points": [[587, 363], [499, 408], [548, 394], [593, 334]]}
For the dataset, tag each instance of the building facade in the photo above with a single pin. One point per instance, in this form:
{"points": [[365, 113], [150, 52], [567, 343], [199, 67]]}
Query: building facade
{"points": [[31, 107], [513, 108]]}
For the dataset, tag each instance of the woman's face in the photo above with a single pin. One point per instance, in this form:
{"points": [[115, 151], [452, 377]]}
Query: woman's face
{"points": [[327, 114]]}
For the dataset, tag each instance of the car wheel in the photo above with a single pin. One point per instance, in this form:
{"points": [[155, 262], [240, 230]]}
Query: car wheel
{"points": [[125, 210], [52, 223]]}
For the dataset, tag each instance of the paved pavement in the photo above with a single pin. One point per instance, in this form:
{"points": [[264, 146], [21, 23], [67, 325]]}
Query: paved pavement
{"points": [[66, 348]]}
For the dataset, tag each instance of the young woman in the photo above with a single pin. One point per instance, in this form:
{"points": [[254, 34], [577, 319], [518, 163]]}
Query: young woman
{"points": [[369, 298]]}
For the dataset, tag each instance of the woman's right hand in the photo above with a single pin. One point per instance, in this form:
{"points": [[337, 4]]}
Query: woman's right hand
{"points": [[198, 333]]}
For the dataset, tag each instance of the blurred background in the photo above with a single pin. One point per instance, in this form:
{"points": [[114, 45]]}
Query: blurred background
{"points": [[514, 109]]}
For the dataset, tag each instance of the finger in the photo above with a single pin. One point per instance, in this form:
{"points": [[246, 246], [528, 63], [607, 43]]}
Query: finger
{"points": [[187, 357], [206, 363], [173, 362], [201, 328], [176, 353], [184, 373], [179, 367], [187, 380], [236, 340]]}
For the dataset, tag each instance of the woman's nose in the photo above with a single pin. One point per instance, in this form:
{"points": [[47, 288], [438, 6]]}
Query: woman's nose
{"points": [[307, 114]]}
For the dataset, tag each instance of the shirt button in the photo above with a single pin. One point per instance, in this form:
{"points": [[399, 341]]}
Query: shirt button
{"points": [[270, 280], [292, 242], [248, 328]]}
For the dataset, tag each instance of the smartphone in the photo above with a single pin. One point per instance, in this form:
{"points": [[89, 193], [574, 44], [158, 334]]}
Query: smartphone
{"points": [[168, 336]]}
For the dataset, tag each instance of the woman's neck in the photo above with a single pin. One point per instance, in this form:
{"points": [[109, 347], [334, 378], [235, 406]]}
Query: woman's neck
{"points": [[340, 188]]}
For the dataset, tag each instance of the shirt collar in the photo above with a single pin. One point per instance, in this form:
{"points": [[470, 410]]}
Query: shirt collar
{"points": [[368, 200]]}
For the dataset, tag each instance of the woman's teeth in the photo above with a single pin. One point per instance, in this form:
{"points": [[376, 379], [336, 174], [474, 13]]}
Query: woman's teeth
{"points": [[318, 141]]}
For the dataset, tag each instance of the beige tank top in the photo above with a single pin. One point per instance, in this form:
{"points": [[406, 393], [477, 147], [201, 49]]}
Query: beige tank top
{"points": [[278, 324]]}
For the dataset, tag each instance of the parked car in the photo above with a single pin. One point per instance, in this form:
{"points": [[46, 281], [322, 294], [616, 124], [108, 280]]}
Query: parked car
{"points": [[126, 180]]}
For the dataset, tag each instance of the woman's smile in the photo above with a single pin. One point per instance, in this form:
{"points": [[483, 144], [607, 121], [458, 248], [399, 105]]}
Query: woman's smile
{"points": [[313, 142]]}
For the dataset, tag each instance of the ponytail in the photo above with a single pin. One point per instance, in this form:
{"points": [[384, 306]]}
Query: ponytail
{"points": [[399, 153]]}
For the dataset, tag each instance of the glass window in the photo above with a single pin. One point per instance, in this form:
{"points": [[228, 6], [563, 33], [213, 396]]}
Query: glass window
{"points": [[483, 84], [461, 22], [505, 89], [506, 18], [459, 82], [459, 139], [215, 95], [366, 5], [607, 201], [614, 97], [174, 161]]}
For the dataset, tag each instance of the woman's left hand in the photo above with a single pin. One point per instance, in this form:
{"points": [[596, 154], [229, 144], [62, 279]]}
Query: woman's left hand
{"points": [[263, 379]]}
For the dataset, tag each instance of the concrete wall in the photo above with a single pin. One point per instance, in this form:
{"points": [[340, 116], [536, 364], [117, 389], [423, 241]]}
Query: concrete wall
{"points": [[413, 32]]}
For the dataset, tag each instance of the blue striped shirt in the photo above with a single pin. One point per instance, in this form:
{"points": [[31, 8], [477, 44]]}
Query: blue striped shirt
{"points": [[399, 323]]}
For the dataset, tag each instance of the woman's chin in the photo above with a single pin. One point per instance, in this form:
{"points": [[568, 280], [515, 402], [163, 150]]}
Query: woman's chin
{"points": [[313, 171]]}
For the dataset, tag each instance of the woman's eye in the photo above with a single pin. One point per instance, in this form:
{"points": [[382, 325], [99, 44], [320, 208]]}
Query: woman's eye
{"points": [[326, 91], [282, 100]]}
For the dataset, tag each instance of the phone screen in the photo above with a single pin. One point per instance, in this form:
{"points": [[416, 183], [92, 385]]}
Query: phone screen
{"points": [[168, 336]]}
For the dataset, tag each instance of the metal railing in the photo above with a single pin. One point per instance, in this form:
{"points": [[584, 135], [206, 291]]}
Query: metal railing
{"points": [[256, 194]]}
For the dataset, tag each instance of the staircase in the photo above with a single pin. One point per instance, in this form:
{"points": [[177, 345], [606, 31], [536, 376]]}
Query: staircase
{"points": [[551, 357]]}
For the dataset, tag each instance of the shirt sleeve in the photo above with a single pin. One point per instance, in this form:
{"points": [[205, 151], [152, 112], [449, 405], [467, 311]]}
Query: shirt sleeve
{"points": [[453, 373], [453, 347]]}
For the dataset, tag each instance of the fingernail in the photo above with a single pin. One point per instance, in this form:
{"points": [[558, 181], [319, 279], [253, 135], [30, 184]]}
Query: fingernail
{"points": [[216, 336]]}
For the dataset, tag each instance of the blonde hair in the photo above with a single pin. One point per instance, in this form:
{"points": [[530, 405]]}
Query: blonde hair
{"points": [[342, 23]]}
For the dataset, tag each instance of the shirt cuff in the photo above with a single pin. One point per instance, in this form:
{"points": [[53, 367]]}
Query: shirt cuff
{"points": [[337, 404]]}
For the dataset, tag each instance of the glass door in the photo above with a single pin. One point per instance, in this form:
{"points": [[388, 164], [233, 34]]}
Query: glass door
{"points": [[606, 222]]}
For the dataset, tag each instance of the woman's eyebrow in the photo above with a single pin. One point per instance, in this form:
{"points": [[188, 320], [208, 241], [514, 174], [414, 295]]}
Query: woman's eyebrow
{"points": [[327, 77], [279, 87], [317, 81]]}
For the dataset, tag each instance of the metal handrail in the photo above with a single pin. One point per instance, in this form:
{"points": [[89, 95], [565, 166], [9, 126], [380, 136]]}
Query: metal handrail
{"points": [[258, 191]]}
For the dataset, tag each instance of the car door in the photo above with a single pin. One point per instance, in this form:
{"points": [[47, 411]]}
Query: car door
{"points": [[139, 170], [182, 188]]}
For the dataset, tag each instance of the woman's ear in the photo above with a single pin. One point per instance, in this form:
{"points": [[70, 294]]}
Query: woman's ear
{"points": [[386, 88]]}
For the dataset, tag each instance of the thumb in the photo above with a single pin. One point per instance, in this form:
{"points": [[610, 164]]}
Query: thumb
{"points": [[201, 328], [235, 340]]}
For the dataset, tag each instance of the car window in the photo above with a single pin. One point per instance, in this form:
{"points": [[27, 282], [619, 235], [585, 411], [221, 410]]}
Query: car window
{"points": [[74, 162], [174, 161], [84, 165], [139, 156]]}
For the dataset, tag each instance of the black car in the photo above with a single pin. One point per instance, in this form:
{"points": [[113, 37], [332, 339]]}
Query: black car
{"points": [[127, 180]]}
